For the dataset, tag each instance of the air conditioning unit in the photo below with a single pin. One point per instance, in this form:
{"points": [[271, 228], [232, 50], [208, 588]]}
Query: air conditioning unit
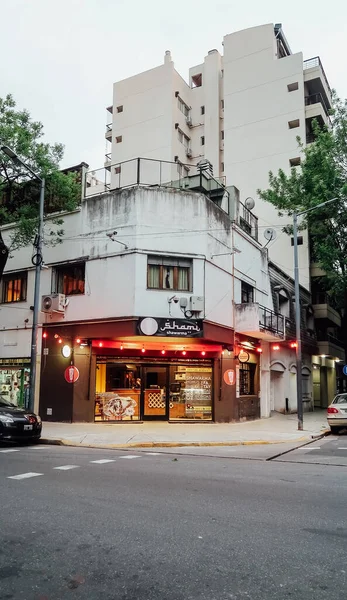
{"points": [[53, 303], [197, 303], [189, 121], [189, 153]]}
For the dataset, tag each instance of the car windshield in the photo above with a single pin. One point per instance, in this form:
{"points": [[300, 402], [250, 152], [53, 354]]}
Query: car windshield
{"points": [[340, 399], [4, 402]]}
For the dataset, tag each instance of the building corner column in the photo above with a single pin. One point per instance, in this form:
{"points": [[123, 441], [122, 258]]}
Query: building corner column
{"points": [[265, 387]]}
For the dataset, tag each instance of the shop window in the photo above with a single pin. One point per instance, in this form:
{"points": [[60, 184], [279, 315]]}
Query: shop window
{"points": [[247, 293], [118, 391], [190, 392], [14, 287], [69, 279], [247, 377], [14, 386], [169, 274]]}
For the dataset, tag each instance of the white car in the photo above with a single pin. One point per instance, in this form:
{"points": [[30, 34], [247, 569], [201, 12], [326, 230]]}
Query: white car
{"points": [[337, 413]]}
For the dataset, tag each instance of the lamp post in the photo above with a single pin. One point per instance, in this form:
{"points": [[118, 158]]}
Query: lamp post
{"points": [[37, 262], [298, 312]]}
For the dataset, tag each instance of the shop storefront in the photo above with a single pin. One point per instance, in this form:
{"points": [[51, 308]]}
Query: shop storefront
{"points": [[133, 370], [14, 380], [133, 390]]}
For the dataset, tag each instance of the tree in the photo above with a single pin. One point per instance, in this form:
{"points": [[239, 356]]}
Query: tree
{"points": [[19, 194], [321, 176]]}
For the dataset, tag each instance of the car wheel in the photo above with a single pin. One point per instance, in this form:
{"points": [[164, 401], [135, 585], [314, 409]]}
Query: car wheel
{"points": [[334, 429]]}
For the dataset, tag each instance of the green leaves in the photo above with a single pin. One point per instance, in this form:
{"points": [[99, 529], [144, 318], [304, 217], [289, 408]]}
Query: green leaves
{"points": [[19, 193]]}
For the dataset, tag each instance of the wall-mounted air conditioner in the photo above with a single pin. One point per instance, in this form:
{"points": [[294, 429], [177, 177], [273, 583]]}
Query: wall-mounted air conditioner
{"points": [[53, 303]]}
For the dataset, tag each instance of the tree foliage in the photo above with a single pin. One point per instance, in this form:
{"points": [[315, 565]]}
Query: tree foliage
{"points": [[19, 193], [321, 176]]}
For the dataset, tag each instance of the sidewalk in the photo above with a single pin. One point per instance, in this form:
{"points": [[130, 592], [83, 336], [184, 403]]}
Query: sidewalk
{"points": [[276, 430]]}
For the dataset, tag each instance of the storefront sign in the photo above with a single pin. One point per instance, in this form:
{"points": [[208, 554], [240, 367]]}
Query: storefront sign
{"points": [[229, 377], [170, 327], [14, 361], [243, 356], [71, 374]]}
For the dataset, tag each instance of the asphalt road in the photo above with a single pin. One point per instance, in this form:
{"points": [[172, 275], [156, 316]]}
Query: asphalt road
{"points": [[160, 526]]}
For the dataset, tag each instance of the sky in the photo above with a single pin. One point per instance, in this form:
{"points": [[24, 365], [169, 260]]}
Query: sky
{"points": [[60, 58]]}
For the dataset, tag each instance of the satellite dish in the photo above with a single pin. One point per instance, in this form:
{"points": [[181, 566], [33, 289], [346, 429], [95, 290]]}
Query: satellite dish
{"points": [[270, 234], [249, 203]]}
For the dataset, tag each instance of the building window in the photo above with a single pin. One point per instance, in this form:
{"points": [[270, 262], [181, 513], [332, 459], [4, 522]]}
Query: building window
{"points": [[247, 293], [222, 104], [183, 138], [14, 287], [202, 140], [69, 279], [183, 107], [222, 167], [202, 110], [295, 162], [196, 80], [292, 87], [247, 376], [293, 124], [119, 108], [222, 134], [169, 274], [284, 303], [119, 139], [117, 170]]}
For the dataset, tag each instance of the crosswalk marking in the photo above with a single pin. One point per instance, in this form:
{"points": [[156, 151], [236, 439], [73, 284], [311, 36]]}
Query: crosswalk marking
{"points": [[25, 476], [102, 461], [342, 448], [130, 456], [306, 449], [66, 467], [153, 453], [10, 450]]}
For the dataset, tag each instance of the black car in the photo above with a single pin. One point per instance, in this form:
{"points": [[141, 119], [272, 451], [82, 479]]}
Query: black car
{"points": [[17, 423]]}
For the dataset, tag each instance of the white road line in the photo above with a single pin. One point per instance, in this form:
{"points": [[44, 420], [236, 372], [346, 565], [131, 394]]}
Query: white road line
{"points": [[102, 461], [306, 449], [131, 456], [25, 476], [342, 448], [66, 467], [10, 450], [153, 453]]}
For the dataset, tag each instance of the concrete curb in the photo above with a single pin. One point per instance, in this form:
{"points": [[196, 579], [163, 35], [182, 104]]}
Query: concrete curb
{"points": [[62, 442]]}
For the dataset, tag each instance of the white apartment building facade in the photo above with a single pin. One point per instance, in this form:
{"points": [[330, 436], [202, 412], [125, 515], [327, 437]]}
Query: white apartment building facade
{"points": [[241, 110]]}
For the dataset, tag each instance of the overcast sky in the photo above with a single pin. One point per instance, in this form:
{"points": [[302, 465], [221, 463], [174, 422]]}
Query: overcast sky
{"points": [[60, 58]]}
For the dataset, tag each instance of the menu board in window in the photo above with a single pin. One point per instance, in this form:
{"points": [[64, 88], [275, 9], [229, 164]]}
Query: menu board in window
{"points": [[198, 392]]}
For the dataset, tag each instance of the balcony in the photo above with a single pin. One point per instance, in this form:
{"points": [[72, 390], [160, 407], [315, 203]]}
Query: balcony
{"points": [[259, 322], [247, 220], [316, 108], [108, 133], [325, 311], [316, 80], [108, 161], [330, 346]]}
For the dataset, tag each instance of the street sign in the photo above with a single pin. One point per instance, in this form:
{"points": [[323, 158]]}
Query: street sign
{"points": [[71, 374], [345, 370]]}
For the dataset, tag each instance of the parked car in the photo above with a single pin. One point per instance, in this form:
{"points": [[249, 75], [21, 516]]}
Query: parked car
{"points": [[337, 413], [17, 423]]}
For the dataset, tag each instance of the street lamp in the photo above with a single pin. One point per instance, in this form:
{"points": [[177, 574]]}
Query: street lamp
{"points": [[37, 262], [298, 312]]}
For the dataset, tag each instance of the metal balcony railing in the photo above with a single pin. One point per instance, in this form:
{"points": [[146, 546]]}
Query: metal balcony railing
{"points": [[248, 221], [316, 99], [316, 62], [271, 321], [323, 336]]}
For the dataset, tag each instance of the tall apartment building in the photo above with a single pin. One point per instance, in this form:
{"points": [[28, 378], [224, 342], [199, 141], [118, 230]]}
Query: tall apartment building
{"points": [[242, 110]]}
